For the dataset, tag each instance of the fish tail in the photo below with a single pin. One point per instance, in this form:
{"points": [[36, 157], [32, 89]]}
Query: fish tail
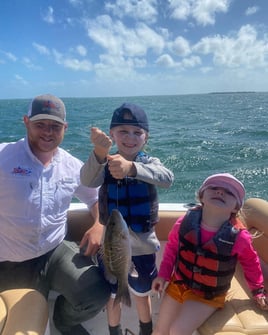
{"points": [[123, 296]]}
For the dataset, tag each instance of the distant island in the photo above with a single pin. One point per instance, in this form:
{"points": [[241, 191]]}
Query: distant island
{"points": [[235, 92]]}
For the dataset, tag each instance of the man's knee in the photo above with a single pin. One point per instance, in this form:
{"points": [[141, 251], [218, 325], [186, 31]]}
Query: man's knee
{"points": [[88, 289]]}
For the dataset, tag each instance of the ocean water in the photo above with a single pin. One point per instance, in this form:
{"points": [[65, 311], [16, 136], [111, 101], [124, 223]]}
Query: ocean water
{"points": [[193, 135]]}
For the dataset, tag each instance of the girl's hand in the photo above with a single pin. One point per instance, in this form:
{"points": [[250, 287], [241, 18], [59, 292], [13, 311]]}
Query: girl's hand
{"points": [[158, 285], [261, 301]]}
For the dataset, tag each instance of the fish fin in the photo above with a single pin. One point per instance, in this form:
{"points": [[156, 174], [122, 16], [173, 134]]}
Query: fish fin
{"points": [[101, 252], [123, 296]]}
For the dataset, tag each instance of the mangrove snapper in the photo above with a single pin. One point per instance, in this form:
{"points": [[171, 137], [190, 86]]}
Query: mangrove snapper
{"points": [[117, 255]]}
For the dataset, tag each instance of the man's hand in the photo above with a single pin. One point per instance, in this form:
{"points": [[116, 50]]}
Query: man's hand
{"points": [[91, 240]]}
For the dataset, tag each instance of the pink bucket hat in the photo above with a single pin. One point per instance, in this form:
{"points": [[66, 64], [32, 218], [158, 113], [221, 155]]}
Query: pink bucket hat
{"points": [[227, 181]]}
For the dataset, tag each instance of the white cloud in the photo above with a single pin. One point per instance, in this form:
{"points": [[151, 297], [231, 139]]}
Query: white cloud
{"points": [[114, 67], [81, 50], [21, 80], [181, 46], [75, 3], [48, 16], [181, 9], [243, 50], [9, 55], [72, 63], [61, 59], [206, 69], [144, 10], [252, 10], [116, 38], [191, 62], [149, 38], [203, 11], [43, 50], [75, 64], [166, 61], [28, 63]]}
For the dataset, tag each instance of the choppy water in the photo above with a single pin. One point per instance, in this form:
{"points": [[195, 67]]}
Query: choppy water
{"points": [[193, 135]]}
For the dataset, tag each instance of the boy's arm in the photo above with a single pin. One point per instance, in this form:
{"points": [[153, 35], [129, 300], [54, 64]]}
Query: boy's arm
{"points": [[102, 144], [92, 172], [151, 172], [154, 172]]}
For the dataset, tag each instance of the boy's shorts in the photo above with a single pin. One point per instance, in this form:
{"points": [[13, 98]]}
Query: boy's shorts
{"points": [[141, 276], [182, 293]]}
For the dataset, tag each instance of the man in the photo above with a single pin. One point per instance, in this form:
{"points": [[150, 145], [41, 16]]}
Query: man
{"points": [[38, 180]]}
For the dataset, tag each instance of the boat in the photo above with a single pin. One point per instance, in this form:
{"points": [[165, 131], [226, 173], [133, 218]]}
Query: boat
{"points": [[25, 311]]}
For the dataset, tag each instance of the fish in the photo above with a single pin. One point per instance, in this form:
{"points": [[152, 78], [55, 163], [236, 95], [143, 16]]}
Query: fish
{"points": [[117, 256]]}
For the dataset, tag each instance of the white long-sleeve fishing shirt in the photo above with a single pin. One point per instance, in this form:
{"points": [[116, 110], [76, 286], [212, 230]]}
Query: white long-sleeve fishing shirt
{"points": [[34, 200]]}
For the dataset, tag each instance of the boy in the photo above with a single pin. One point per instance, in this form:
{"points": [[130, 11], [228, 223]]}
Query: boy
{"points": [[129, 179]]}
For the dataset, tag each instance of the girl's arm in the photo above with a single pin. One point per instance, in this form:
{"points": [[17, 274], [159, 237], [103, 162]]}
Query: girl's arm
{"points": [[250, 262], [170, 252]]}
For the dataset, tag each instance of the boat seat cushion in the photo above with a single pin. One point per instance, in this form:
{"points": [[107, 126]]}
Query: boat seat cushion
{"points": [[3, 314], [255, 215], [23, 311], [79, 221], [240, 315]]}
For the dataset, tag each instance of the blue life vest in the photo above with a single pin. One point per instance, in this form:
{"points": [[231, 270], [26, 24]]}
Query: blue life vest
{"points": [[136, 200]]}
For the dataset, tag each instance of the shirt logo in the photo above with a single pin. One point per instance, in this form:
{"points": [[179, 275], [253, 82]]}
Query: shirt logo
{"points": [[21, 171]]}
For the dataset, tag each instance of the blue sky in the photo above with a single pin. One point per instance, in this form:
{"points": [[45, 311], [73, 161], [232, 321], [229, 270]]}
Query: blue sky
{"points": [[94, 48]]}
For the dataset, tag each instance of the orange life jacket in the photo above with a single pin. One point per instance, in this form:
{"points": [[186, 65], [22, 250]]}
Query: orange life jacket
{"points": [[207, 268]]}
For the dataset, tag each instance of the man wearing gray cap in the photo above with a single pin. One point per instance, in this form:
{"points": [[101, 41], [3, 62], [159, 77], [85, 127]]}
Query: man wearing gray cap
{"points": [[38, 181]]}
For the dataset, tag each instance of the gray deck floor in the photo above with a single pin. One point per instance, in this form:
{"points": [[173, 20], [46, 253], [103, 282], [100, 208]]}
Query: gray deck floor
{"points": [[129, 319], [98, 325]]}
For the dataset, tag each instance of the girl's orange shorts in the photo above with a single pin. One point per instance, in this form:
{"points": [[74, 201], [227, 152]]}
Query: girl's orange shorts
{"points": [[182, 293]]}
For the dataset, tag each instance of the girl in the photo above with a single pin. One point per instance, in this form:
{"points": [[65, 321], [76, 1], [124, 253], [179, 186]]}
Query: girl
{"points": [[200, 258]]}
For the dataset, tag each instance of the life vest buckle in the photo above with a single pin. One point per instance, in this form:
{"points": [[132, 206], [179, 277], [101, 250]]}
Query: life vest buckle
{"points": [[200, 252]]}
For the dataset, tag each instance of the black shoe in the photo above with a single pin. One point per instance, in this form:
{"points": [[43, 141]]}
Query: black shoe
{"points": [[75, 330], [116, 330]]}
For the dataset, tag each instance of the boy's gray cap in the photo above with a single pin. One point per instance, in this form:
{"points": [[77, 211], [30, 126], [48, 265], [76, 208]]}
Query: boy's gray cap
{"points": [[47, 107], [130, 114]]}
